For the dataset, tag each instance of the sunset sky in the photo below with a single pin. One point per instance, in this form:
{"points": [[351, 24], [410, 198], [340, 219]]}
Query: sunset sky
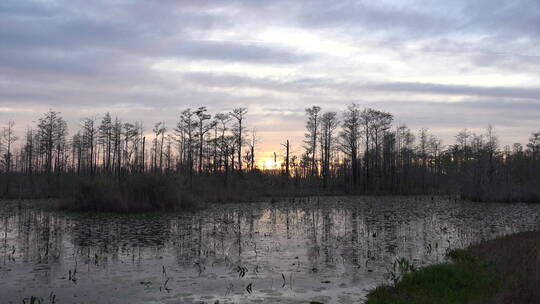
{"points": [[444, 65]]}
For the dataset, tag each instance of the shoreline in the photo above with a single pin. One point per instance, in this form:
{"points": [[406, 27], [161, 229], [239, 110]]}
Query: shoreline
{"points": [[504, 270]]}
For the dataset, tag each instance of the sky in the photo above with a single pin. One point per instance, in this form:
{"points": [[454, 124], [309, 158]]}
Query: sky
{"points": [[443, 65]]}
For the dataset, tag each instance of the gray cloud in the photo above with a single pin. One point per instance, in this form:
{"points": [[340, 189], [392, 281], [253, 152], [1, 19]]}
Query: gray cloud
{"points": [[307, 83], [420, 18], [41, 36], [445, 89], [375, 16]]}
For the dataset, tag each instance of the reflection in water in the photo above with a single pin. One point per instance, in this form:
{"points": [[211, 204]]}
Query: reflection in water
{"points": [[328, 251]]}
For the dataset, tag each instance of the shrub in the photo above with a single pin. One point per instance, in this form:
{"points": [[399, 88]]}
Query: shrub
{"points": [[138, 193]]}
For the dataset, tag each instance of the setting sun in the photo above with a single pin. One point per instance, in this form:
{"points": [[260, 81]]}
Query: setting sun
{"points": [[269, 164]]}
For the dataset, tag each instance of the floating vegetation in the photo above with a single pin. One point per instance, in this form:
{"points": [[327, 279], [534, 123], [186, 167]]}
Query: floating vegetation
{"points": [[146, 283], [40, 300]]}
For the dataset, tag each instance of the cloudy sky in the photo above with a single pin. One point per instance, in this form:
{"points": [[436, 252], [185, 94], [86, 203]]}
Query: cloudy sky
{"points": [[445, 65]]}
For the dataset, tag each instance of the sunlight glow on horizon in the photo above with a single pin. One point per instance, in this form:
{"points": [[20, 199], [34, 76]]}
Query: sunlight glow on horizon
{"points": [[269, 164]]}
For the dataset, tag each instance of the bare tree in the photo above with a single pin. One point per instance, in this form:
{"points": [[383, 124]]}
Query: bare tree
{"points": [[185, 128], [159, 130], [350, 138], [329, 124], [239, 114], [105, 139], [491, 148], [48, 127], [287, 147], [375, 124], [89, 136], [254, 140], [203, 128], [311, 134], [9, 139]]}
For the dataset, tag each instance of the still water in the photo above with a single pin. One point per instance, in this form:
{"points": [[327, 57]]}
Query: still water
{"points": [[330, 250]]}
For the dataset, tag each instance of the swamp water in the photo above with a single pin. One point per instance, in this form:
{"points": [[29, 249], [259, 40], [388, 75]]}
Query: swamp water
{"points": [[332, 250]]}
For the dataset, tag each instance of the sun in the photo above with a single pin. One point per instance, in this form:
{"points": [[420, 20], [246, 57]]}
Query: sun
{"points": [[269, 164]]}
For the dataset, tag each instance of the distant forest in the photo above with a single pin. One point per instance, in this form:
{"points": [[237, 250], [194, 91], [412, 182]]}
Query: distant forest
{"points": [[212, 157]]}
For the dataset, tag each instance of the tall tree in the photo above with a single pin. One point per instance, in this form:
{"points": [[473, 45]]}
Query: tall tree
{"points": [[222, 119], [203, 128], [89, 136], [185, 127], [9, 139], [287, 147], [329, 123], [159, 130], [312, 131], [252, 143], [350, 138], [105, 139], [239, 114], [48, 127]]}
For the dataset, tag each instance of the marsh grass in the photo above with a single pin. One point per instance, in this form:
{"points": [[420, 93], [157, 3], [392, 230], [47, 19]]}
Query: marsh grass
{"points": [[457, 283], [172, 192], [138, 193], [501, 271], [399, 268], [524, 192]]}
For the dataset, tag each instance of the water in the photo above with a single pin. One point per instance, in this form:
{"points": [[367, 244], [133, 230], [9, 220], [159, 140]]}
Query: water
{"points": [[332, 251]]}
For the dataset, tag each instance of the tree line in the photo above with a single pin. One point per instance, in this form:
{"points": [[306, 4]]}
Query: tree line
{"points": [[359, 150], [366, 151], [199, 143]]}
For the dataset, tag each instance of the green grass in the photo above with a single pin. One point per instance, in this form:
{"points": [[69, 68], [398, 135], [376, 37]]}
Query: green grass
{"points": [[500, 271], [458, 283]]}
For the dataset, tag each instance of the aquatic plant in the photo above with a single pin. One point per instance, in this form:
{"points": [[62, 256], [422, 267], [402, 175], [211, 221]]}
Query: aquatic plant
{"points": [[40, 300], [52, 298], [166, 280], [400, 267], [33, 300], [164, 286], [230, 288], [200, 267], [241, 271], [72, 276], [146, 283]]}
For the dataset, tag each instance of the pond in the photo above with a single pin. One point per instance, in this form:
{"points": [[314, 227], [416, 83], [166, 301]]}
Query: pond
{"points": [[328, 249]]}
